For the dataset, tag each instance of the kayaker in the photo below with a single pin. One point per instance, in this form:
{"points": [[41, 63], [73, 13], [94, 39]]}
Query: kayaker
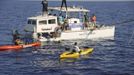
{"points": [[75, 48], [16, 35]]}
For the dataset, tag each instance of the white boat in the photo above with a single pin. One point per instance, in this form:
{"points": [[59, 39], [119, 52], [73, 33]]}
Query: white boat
{"points": [[46, 27]]}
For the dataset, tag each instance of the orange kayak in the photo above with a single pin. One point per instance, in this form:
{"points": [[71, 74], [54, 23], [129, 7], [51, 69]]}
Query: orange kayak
{"points": [[17, 47], [32, 45], [10, 47]]}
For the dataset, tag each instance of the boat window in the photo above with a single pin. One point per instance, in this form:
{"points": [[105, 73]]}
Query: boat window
{"points": [[29, 21], [73, 15], [32, 22], [42, 22], [51, 21], [75, 21]]}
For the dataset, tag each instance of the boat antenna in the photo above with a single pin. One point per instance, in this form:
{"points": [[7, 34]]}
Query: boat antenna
{"points": [[64, 2], [44, 7]]}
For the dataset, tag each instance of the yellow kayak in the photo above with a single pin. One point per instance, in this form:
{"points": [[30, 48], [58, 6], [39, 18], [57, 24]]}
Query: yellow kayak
{"points": [[69, 54]]}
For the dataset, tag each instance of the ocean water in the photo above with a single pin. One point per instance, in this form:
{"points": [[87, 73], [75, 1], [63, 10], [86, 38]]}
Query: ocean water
{"points": [[110, 57]]}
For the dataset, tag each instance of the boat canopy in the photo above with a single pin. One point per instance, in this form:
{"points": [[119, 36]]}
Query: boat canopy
{"points": [[69, 9], [43, 17]]}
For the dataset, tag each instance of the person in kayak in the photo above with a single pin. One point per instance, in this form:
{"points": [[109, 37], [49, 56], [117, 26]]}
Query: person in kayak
{"points": [[75, 48], [16, 35]]}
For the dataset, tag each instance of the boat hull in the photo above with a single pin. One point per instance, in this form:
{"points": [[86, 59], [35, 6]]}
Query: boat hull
{"points": [[89, 34], [101, 33], [10, 47], [32, 45], [75, 54]]}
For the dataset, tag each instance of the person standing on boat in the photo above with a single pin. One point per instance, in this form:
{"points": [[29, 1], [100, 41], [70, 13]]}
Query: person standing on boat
{"points": [[45, 7], [60, 20], [86, 22], [93, 20], [64, 2], [65, 24]]}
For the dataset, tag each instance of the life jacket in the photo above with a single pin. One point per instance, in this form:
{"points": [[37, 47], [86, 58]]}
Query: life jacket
{"points": [[18, 42]]}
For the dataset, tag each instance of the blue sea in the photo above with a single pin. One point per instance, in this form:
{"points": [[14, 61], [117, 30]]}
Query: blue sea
{"points": [[110, 57]]}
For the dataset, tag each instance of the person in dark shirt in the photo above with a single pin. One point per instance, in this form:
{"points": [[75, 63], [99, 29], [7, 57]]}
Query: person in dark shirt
{"points": [[63, 2], [45, 6]]}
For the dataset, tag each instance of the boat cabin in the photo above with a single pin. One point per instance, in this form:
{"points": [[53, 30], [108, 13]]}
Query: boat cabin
{"points": [[41, 24], [57, 21], [76, 16], [72, 19]]}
